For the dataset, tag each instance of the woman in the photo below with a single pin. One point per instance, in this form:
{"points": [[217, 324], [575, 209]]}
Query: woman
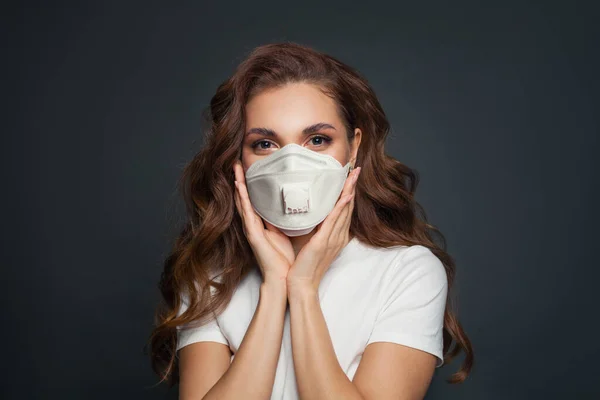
{"points": [[321, 272]]}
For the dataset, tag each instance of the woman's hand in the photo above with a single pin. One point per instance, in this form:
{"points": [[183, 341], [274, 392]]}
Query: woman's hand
{"points": [[332, 235], [272, 249]]}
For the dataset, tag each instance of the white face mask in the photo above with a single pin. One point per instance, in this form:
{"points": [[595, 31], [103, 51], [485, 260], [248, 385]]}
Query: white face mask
{"points": [[295, 188]]}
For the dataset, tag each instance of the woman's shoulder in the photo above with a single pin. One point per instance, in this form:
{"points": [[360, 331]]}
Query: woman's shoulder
{"points": [[360, 249], [418, 264], [403, 259]]}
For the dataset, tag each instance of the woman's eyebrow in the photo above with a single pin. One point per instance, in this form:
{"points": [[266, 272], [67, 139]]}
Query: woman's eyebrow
{"points": [[306, 131]]}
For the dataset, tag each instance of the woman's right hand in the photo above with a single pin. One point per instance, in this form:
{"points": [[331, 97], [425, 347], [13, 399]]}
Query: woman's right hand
{"points": [[272, 248]]}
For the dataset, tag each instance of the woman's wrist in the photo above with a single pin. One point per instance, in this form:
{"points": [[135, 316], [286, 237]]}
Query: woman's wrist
{"points": [[301, 291], [274, 286]]}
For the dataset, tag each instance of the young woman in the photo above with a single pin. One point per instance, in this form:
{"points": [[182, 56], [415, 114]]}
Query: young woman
{"points": [[306, 268]]}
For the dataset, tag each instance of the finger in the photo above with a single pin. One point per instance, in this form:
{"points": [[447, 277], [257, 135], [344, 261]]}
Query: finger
{"points": [[238, 206], [236, 195], [238, 203], [245, 199], [343, 222], [350, 182], [347, 211], [239, 179], [254, 222], [348, 216], [342, 225], [353, 200], [327, 225], [240, 186], [238, 171]]}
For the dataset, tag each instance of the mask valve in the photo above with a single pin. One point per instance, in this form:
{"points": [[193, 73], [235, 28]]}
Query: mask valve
{"points": [[296, 197]]}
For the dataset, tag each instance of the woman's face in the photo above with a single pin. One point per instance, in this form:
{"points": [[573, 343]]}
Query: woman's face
{"points": [[296, 113]]}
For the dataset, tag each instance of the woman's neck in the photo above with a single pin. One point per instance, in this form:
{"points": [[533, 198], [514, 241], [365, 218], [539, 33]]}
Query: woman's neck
{"points": [[299, 241]]}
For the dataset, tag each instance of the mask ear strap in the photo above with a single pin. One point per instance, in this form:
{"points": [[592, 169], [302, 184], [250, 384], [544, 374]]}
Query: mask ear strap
{"points": [[351, 165]]}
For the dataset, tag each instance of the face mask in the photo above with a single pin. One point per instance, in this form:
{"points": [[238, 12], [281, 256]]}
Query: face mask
{"points": [[295, 188]]}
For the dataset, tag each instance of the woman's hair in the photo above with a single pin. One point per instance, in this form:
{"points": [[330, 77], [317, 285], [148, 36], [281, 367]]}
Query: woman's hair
{"points": [[385, 212]]}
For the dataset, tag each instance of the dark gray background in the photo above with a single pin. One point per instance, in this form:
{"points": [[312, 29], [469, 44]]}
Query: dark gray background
{"points": [[495, 105]]}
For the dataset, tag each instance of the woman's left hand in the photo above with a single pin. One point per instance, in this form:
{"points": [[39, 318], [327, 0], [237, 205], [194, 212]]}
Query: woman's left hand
{"points": [[331, 236]]}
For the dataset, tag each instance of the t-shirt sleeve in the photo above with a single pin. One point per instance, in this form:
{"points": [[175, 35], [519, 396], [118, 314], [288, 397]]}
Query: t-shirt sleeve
{"points": [[414, 301], [192, 332]]}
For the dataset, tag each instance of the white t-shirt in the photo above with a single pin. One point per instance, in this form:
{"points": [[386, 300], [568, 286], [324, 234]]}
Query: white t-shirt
{"points": [[395, 294]]}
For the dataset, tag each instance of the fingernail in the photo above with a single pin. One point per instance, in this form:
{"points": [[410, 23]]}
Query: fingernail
{"points": [[236, 185]]}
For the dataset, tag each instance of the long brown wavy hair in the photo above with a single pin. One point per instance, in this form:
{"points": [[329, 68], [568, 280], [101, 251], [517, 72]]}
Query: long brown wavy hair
{"points": [[385, 212]]}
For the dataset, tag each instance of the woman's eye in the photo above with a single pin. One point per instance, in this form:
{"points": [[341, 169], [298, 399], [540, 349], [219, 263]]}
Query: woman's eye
{"points": [[319, 140], [262, 144]]}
